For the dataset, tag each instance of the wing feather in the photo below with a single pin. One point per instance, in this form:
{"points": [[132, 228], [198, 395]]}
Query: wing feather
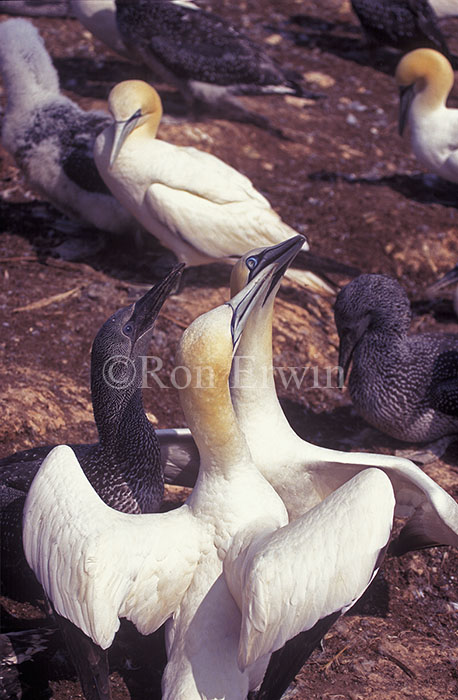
{"points": [[97, 564], [319, 564]]}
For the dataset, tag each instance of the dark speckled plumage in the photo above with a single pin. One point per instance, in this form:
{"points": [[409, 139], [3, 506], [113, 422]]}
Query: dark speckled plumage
{"points": [[197, 45], [204, 56], [405, 385], [404, 24]]}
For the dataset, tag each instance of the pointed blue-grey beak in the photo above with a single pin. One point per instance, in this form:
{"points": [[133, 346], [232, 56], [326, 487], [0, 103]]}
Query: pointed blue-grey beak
{"points": [[272, 264], [121, 132]]}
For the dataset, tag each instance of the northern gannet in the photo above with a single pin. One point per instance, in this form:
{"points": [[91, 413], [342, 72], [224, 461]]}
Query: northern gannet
{"points": [[204, 56], [450, 277], [403, 24], [195, 204], [304, 474], [425, 78], [50, 137], [124, 467], [404, 385], [99, 16], [231, 576]]}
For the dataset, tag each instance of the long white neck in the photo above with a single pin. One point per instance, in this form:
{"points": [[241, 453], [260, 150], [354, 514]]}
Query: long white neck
{"points": [[253, 389]]}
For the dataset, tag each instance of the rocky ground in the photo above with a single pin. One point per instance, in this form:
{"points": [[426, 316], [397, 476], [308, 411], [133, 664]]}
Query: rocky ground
{"points": [[344, 178]]}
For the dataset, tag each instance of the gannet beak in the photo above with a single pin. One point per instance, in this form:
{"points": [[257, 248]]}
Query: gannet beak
{"points": [[406, 95], [271, 265], [346, 348], [349, 338], [121, 132], [146, 309], [449, 278]]}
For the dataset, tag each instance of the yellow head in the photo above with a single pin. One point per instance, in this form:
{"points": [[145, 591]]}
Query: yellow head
{"points": [[133, 104], [428, 71]]}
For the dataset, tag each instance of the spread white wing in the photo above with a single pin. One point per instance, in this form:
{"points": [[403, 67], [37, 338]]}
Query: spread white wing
{"points": [[97, 564], [286, 581], [432, 512]]}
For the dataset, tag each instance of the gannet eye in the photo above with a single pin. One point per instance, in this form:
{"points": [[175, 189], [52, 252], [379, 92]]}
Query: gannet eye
{"points": [[128, 328], [251, 262]]}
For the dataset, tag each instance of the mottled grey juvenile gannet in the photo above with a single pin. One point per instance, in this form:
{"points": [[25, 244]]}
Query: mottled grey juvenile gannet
{"points": [[404, 24], [425, 79], [124, 467], [50, 137], [195, 204], [231, 576], [204, 56], [404, 385]]}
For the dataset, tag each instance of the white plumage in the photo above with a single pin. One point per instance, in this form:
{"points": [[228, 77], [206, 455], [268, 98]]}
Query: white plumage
{"points": [[303, 473], [194, 203], [445, 8], [97, 564], [99, 16], [425, 78], [50, 137]]}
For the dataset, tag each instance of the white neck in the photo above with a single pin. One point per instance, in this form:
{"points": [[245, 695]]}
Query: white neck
{"points": [[253, 389]]}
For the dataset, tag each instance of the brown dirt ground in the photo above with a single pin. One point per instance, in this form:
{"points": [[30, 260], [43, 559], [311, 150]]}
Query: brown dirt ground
{"points": [[346, 179]]}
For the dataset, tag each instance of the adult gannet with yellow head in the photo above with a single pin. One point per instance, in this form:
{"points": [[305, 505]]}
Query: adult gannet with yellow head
{"points": [[98, 565], [195, 204], [425, 78]]}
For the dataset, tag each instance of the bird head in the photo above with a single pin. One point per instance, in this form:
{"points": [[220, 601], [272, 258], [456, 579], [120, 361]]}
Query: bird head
{"points": [[132, 104], [422, 71]]}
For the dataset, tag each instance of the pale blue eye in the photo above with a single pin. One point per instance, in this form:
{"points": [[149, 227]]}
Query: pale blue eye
{"points": [[251, 263]]}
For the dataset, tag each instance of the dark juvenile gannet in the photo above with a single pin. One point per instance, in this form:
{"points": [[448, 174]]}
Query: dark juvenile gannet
{"points": [[204, 56], [124, 467], [50, 137], [195, 204], [425, 79], [404, 385], [404, 24], [450, 277], [231, 576]]}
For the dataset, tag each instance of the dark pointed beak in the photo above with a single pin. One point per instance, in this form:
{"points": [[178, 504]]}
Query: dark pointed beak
{"points": [[406, 95], [273, 263], [347, 345], [449, 278], [281, 256], [147, 308]]}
